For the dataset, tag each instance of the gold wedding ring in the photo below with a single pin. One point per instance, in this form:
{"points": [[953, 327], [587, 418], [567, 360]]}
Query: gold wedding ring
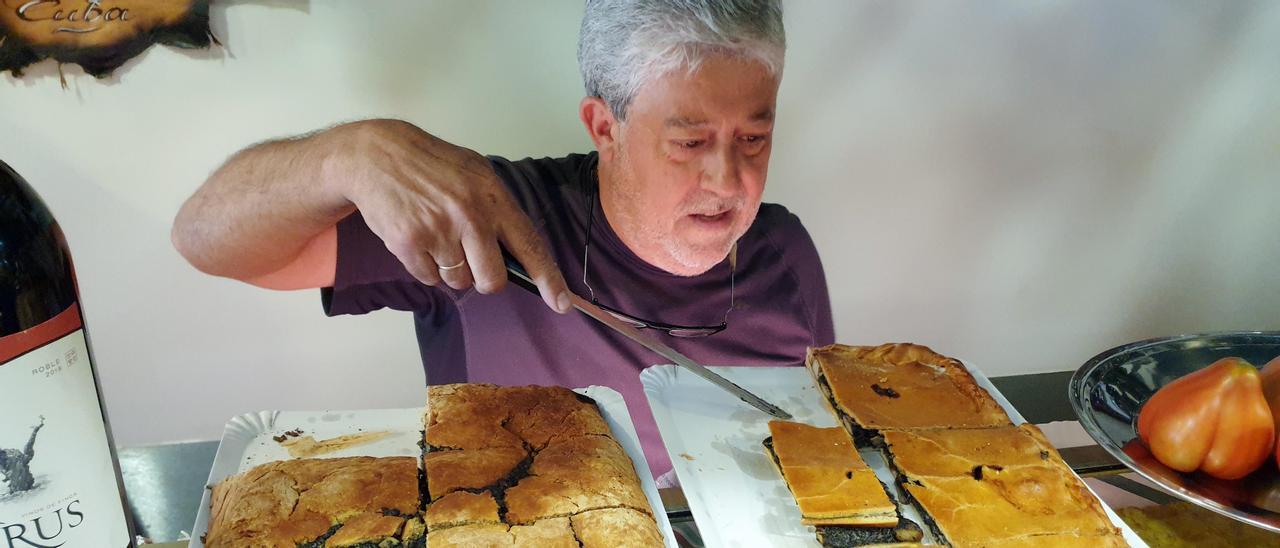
{"points": [[454, 267]]}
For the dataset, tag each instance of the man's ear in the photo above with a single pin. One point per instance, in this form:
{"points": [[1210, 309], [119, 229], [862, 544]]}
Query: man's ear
{"points": [[601, 125]]}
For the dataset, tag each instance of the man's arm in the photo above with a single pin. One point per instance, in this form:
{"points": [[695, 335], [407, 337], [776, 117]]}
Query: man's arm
{"points": [[257, 214], [267, 216], [316, 265]]}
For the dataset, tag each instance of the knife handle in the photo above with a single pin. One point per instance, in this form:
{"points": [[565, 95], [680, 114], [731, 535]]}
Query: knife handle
{"points": [[517, 274]]}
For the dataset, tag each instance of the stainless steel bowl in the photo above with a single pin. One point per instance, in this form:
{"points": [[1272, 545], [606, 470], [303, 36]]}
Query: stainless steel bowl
{"points": [[1109, 390]]}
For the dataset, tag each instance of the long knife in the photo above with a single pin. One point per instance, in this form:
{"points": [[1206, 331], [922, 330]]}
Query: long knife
{"points": [[517, 274]]}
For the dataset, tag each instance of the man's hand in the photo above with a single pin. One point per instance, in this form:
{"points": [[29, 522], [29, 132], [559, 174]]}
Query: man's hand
{"points": [[268, 215], [441, 210]]}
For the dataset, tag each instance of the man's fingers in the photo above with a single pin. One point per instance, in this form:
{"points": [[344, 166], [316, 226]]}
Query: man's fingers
{"points": [[420, 264], [485, 258], [453, 267], [527, 246]]}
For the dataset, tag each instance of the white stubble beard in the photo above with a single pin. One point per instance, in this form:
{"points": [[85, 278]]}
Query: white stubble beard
{"points": [[691, 259]]}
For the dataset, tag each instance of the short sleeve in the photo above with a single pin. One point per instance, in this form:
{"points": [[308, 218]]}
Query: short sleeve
{"points": [[369, 277], [802, 259], [540, 187]]}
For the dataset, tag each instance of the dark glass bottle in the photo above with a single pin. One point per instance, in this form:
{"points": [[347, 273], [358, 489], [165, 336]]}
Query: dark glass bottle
{"points": [[59, 479]]}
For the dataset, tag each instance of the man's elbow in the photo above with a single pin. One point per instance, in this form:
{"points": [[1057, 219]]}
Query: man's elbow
{"points": [[192, 245], [314, 266], [187, 245]]}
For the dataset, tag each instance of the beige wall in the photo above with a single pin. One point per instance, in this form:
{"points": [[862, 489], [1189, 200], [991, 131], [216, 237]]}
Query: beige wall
{"points": [[1020, 183]]}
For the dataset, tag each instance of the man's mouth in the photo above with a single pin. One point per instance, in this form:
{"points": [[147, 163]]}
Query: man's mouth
{"points": [[713, 220]]}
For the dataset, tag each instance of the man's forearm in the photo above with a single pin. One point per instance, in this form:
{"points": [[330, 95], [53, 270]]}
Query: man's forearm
{"points": [[267, 216], [261, 208]]}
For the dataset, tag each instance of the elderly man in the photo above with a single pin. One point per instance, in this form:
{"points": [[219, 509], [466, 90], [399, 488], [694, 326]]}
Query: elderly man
{"points": [[680, 106]]}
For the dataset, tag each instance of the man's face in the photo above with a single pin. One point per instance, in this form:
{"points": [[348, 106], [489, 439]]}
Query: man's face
{"points": [[683, 178]]}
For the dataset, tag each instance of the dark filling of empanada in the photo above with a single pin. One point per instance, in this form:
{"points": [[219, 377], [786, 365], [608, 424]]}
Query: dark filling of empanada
{"points": [[924, 513], [368, 545], [885, 391], [319, 542], [499, 489], [423, 495], [977, 470], [908, 531], [840, 536]]}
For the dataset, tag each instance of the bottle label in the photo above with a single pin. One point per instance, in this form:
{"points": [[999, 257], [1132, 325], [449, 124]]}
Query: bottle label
{"points": [[57, 482]]}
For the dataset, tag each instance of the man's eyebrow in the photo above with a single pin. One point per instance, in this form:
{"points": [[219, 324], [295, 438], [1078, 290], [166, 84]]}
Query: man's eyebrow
{"points": [[683, 122], [763, 115]]}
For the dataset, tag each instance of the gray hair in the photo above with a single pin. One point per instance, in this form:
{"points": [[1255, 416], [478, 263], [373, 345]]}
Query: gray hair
{"points": [[624, 44]]}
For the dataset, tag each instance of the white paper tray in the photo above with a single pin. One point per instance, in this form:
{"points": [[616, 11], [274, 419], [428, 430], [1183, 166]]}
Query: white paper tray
{"points": [[247, 442], [734, 492]]}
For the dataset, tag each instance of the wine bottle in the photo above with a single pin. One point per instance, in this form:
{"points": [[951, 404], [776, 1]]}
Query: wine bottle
{"points": [[60, 482]]}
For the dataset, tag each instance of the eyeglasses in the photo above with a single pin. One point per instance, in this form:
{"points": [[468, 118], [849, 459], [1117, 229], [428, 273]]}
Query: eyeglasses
{"points": [[682, 331]]}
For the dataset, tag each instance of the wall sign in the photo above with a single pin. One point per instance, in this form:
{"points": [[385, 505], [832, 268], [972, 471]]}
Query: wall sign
{"points": [[98, 35]]}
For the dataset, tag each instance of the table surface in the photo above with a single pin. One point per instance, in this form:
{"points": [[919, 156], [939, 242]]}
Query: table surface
{"points": [[166, 482]]}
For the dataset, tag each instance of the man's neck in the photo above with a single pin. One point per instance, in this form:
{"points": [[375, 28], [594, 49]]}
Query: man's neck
{"points": [[622, 223]]}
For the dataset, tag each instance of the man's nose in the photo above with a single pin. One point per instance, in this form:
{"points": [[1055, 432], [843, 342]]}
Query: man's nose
{"points": [[722, 175]]}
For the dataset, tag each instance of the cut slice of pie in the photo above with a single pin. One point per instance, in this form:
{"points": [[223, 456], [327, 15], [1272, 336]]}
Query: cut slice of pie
{"points": [[528, 466], [573, 476], [996, 486], [606, 528], [1060, 541], [1005, 506], [955, 453], [368, 529], [834, 488], [462, 508], [454, 470], [828, 479], [551, 533], [900, 387], [471, 536], [615, 528], [479, 416], [302, 502]]}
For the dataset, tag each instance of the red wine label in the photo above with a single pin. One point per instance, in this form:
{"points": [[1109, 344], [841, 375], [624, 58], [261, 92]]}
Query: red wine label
{"points": [[56, 327], [57, 483]]}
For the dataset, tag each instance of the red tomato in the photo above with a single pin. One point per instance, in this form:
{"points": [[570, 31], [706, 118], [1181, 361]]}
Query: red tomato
{"points": [[1216, 420]]}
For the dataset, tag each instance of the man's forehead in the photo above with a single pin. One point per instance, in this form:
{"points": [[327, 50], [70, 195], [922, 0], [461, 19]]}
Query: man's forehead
{"points": [[685, 121]]}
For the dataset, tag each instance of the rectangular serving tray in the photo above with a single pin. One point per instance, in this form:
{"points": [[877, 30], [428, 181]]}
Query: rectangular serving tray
{"points": [[735, 493]]}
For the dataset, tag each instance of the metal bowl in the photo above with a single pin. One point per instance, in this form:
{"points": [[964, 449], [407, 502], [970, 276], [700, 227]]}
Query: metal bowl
{"points": [[1109, 390]]}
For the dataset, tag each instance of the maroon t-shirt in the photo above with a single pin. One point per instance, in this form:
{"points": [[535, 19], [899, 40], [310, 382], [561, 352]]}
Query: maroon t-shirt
{"points": [[511, 338]]}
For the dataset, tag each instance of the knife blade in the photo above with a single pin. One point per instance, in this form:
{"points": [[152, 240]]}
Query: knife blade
{"points": [[517, 274]]}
